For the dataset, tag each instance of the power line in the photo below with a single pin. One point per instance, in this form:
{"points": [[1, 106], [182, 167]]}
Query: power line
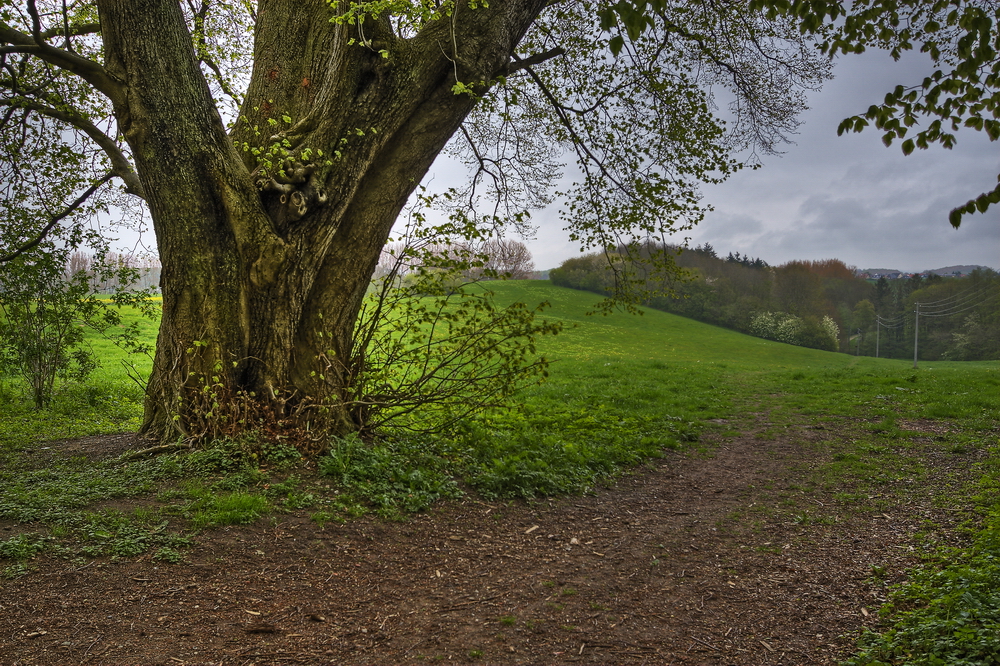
{"points": [[955, 303], [891, 322], [959, 307], [953, 296]]}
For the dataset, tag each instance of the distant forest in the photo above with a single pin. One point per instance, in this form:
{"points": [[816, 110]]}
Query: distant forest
{"points": [[820, 304]]}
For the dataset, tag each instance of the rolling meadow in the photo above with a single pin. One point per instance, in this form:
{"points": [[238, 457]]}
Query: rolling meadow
{"points": [[625, 393]]}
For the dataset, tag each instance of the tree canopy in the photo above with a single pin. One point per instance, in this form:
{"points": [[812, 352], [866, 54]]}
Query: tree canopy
{"points": [[960, 37], [273, 144]]}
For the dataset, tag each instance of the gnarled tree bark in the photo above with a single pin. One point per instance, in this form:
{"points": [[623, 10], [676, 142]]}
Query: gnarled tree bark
{"points": [[264, 270]]}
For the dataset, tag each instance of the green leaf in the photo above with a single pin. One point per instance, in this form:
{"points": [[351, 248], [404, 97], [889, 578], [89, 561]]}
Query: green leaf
{"points": [[608, 19]]}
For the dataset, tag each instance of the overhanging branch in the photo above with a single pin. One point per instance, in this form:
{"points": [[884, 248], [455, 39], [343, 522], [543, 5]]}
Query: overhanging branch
{"points": [[88, 70], [578, 143], [54, 220], [120, 165], [77, 30]]}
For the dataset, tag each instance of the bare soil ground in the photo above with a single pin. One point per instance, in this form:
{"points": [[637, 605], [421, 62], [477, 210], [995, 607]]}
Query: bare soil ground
{"points": [[692, 560]]}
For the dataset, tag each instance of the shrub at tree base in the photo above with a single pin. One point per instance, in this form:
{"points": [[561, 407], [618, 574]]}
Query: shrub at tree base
{"points": [[430, 348]]}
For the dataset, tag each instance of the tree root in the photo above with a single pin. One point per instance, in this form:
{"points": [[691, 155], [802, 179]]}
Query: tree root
{"points": [[154, 450]]}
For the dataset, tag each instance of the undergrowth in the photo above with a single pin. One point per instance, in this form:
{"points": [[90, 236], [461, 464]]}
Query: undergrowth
{"points": [[948, 611], [500, 456]]}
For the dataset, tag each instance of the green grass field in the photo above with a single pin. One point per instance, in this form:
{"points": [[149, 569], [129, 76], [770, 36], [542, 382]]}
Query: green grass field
{"points": [[702, 371], [622, 389]]}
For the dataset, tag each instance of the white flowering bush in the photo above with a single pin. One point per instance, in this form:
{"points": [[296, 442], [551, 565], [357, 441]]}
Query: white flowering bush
{"points": [[793, 330], [830, 326], [788, 330], [777, 326]]}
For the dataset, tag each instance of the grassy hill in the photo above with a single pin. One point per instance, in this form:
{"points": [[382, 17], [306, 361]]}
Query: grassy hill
{"points": [[655, 335], [704, 371], [658, 364]]}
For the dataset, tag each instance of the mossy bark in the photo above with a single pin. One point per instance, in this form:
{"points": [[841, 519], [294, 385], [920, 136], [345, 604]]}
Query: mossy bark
{"points": [[264, 270]]}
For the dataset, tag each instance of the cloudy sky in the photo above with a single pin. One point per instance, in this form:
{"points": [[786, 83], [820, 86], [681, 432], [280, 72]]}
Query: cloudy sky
{"points": [[847, 197]]}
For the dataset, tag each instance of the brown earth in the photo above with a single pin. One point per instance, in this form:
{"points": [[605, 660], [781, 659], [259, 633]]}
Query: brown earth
{"points": [[709, 557]]}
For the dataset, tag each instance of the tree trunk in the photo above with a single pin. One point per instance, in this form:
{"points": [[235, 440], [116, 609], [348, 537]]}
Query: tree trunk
{"points": [[265, 264]]}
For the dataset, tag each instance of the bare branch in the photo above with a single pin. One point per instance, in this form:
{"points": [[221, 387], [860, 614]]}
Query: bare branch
{"points": [[538, 58], [578, 143], [120, 165], [54, 220], [201, 44], [483, 168]]}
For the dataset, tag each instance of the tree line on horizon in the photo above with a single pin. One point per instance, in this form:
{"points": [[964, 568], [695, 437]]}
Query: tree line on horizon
{"points": [[821, 304], [959, 318]]}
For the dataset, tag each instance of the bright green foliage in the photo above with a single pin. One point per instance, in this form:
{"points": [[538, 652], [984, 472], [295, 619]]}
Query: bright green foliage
{"points": [[536, 453], [40, 334], [22, 547], [402, 475], [45, 315], [99, 406], [237, 508], [431, 345]]}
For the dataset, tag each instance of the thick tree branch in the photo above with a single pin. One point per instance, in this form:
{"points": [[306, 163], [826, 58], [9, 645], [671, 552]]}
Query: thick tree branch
{"points": [[520, 63], [54, 220], [72, 31], [88, 70], [120, 165]]}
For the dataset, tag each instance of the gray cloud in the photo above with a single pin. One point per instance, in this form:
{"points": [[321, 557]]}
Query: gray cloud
{"points": [[852, 198], [846, 197]]}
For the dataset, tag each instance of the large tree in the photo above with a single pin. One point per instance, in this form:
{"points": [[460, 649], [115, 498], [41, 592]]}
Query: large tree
{"points": [[274, 143]]}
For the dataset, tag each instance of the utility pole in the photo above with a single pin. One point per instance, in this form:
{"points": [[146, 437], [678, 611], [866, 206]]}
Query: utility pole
{"points": [[878, 328], [916, 334]]}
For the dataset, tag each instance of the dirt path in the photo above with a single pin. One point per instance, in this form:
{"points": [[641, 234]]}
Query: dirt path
{"points": [[693, 560]]}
